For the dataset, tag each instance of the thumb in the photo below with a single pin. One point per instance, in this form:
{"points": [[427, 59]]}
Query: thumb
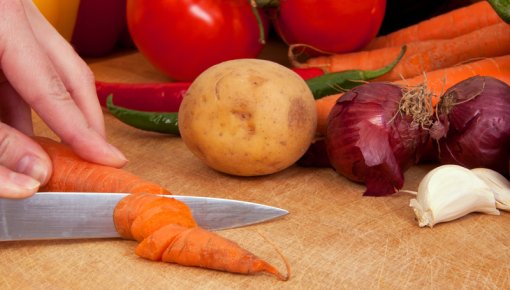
{"points": [[24, 165]]}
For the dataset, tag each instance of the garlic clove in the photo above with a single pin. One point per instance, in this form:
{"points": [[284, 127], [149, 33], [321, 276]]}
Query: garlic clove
{"points": [[449, 192], [498, 183]]}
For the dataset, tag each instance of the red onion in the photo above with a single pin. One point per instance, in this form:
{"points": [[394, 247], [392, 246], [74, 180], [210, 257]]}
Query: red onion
{"points": [[473, 124], [372, 137]]}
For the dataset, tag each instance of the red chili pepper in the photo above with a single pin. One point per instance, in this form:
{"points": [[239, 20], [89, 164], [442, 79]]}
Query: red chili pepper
{"points": [[154, 107], [150, 97], [308, 73], [159, 97]]}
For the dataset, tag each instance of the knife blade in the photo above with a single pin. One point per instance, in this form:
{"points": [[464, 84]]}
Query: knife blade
{"points": [[76, 215]]}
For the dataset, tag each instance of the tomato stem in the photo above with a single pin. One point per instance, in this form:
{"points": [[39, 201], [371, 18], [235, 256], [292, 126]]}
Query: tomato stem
{"points": [[262, 32], [267, 3]]}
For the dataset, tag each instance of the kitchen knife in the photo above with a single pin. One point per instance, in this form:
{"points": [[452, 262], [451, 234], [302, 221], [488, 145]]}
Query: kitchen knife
{"points": [[74, 215]]}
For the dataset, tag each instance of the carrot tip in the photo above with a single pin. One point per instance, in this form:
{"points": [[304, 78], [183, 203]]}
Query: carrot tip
{"points": [[279, 275], [270, 269]]}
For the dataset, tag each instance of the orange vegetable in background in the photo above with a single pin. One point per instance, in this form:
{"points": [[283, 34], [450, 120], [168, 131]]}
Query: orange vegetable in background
{"points": [[424, 56], [448, 25], [437, 82]]}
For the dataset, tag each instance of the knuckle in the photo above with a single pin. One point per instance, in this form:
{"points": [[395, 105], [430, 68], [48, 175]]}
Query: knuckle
{"points": [[5, 140], [87, 75], [84, 77], [55, 91], [83, 73], [10, 147]]}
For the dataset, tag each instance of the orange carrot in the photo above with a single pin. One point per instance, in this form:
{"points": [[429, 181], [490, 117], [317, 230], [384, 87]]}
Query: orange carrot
{"points": [[436, 81], [424, 56], [199, 248], [324, 106], [448, 25], [138, 215], [439, 80], [171, 236], [164, 225], [71, 173]]}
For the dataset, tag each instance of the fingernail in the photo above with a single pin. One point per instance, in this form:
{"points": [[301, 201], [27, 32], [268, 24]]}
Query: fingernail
{"points": [[33, 167], [22, 184], [117, 153]]}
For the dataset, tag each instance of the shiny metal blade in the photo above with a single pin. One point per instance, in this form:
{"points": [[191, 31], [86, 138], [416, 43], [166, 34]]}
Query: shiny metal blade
{"points": [[218, 213], [66, 215]]}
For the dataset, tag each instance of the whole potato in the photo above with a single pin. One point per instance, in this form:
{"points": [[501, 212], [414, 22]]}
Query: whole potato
{"points": [[248, 117]]}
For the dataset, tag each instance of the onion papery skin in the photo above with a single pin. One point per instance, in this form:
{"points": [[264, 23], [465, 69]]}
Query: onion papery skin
{"points": [[475, 116], [368, 140]]}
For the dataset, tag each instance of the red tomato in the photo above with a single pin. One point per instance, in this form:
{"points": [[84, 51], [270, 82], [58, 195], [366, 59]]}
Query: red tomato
{"points": [[329, 25], [184, 37]]}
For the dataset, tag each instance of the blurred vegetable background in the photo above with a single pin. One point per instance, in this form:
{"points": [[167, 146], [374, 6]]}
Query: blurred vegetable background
{"points": [[202, 28], [61, 14], [184, 38], [100, 27], [402, 13], [334, 26], [94, 27]]}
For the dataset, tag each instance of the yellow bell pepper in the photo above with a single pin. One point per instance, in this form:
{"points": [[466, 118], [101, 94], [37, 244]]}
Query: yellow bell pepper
{"points": [[61, 14]]}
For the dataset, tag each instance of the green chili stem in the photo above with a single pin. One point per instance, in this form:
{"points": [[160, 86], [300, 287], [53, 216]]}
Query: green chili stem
{"points": [[148, 121], [338, 82], [321, 86], [502, 7]]}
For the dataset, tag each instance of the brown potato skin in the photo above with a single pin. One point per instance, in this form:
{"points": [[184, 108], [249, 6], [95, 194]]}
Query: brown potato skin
{"points": [[248, 117]]}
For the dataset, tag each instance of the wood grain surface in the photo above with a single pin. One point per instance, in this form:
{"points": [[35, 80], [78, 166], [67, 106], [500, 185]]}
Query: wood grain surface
{"points": [[333, 238]]}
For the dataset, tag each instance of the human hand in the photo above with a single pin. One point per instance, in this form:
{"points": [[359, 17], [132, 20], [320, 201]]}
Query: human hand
{"points": [[39, 70]]}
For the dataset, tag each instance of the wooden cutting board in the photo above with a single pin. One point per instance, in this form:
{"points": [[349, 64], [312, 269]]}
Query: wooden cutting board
{"points": [[333, 237]]}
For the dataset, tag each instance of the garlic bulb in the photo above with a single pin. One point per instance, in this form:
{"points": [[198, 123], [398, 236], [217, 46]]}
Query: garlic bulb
{"points": [[449, 192], [498, 183]]}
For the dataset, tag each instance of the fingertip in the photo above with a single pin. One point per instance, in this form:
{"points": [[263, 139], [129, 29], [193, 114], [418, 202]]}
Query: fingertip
{"points": [[118, 158], [35, 167], [17, 185], [96, 149]]}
